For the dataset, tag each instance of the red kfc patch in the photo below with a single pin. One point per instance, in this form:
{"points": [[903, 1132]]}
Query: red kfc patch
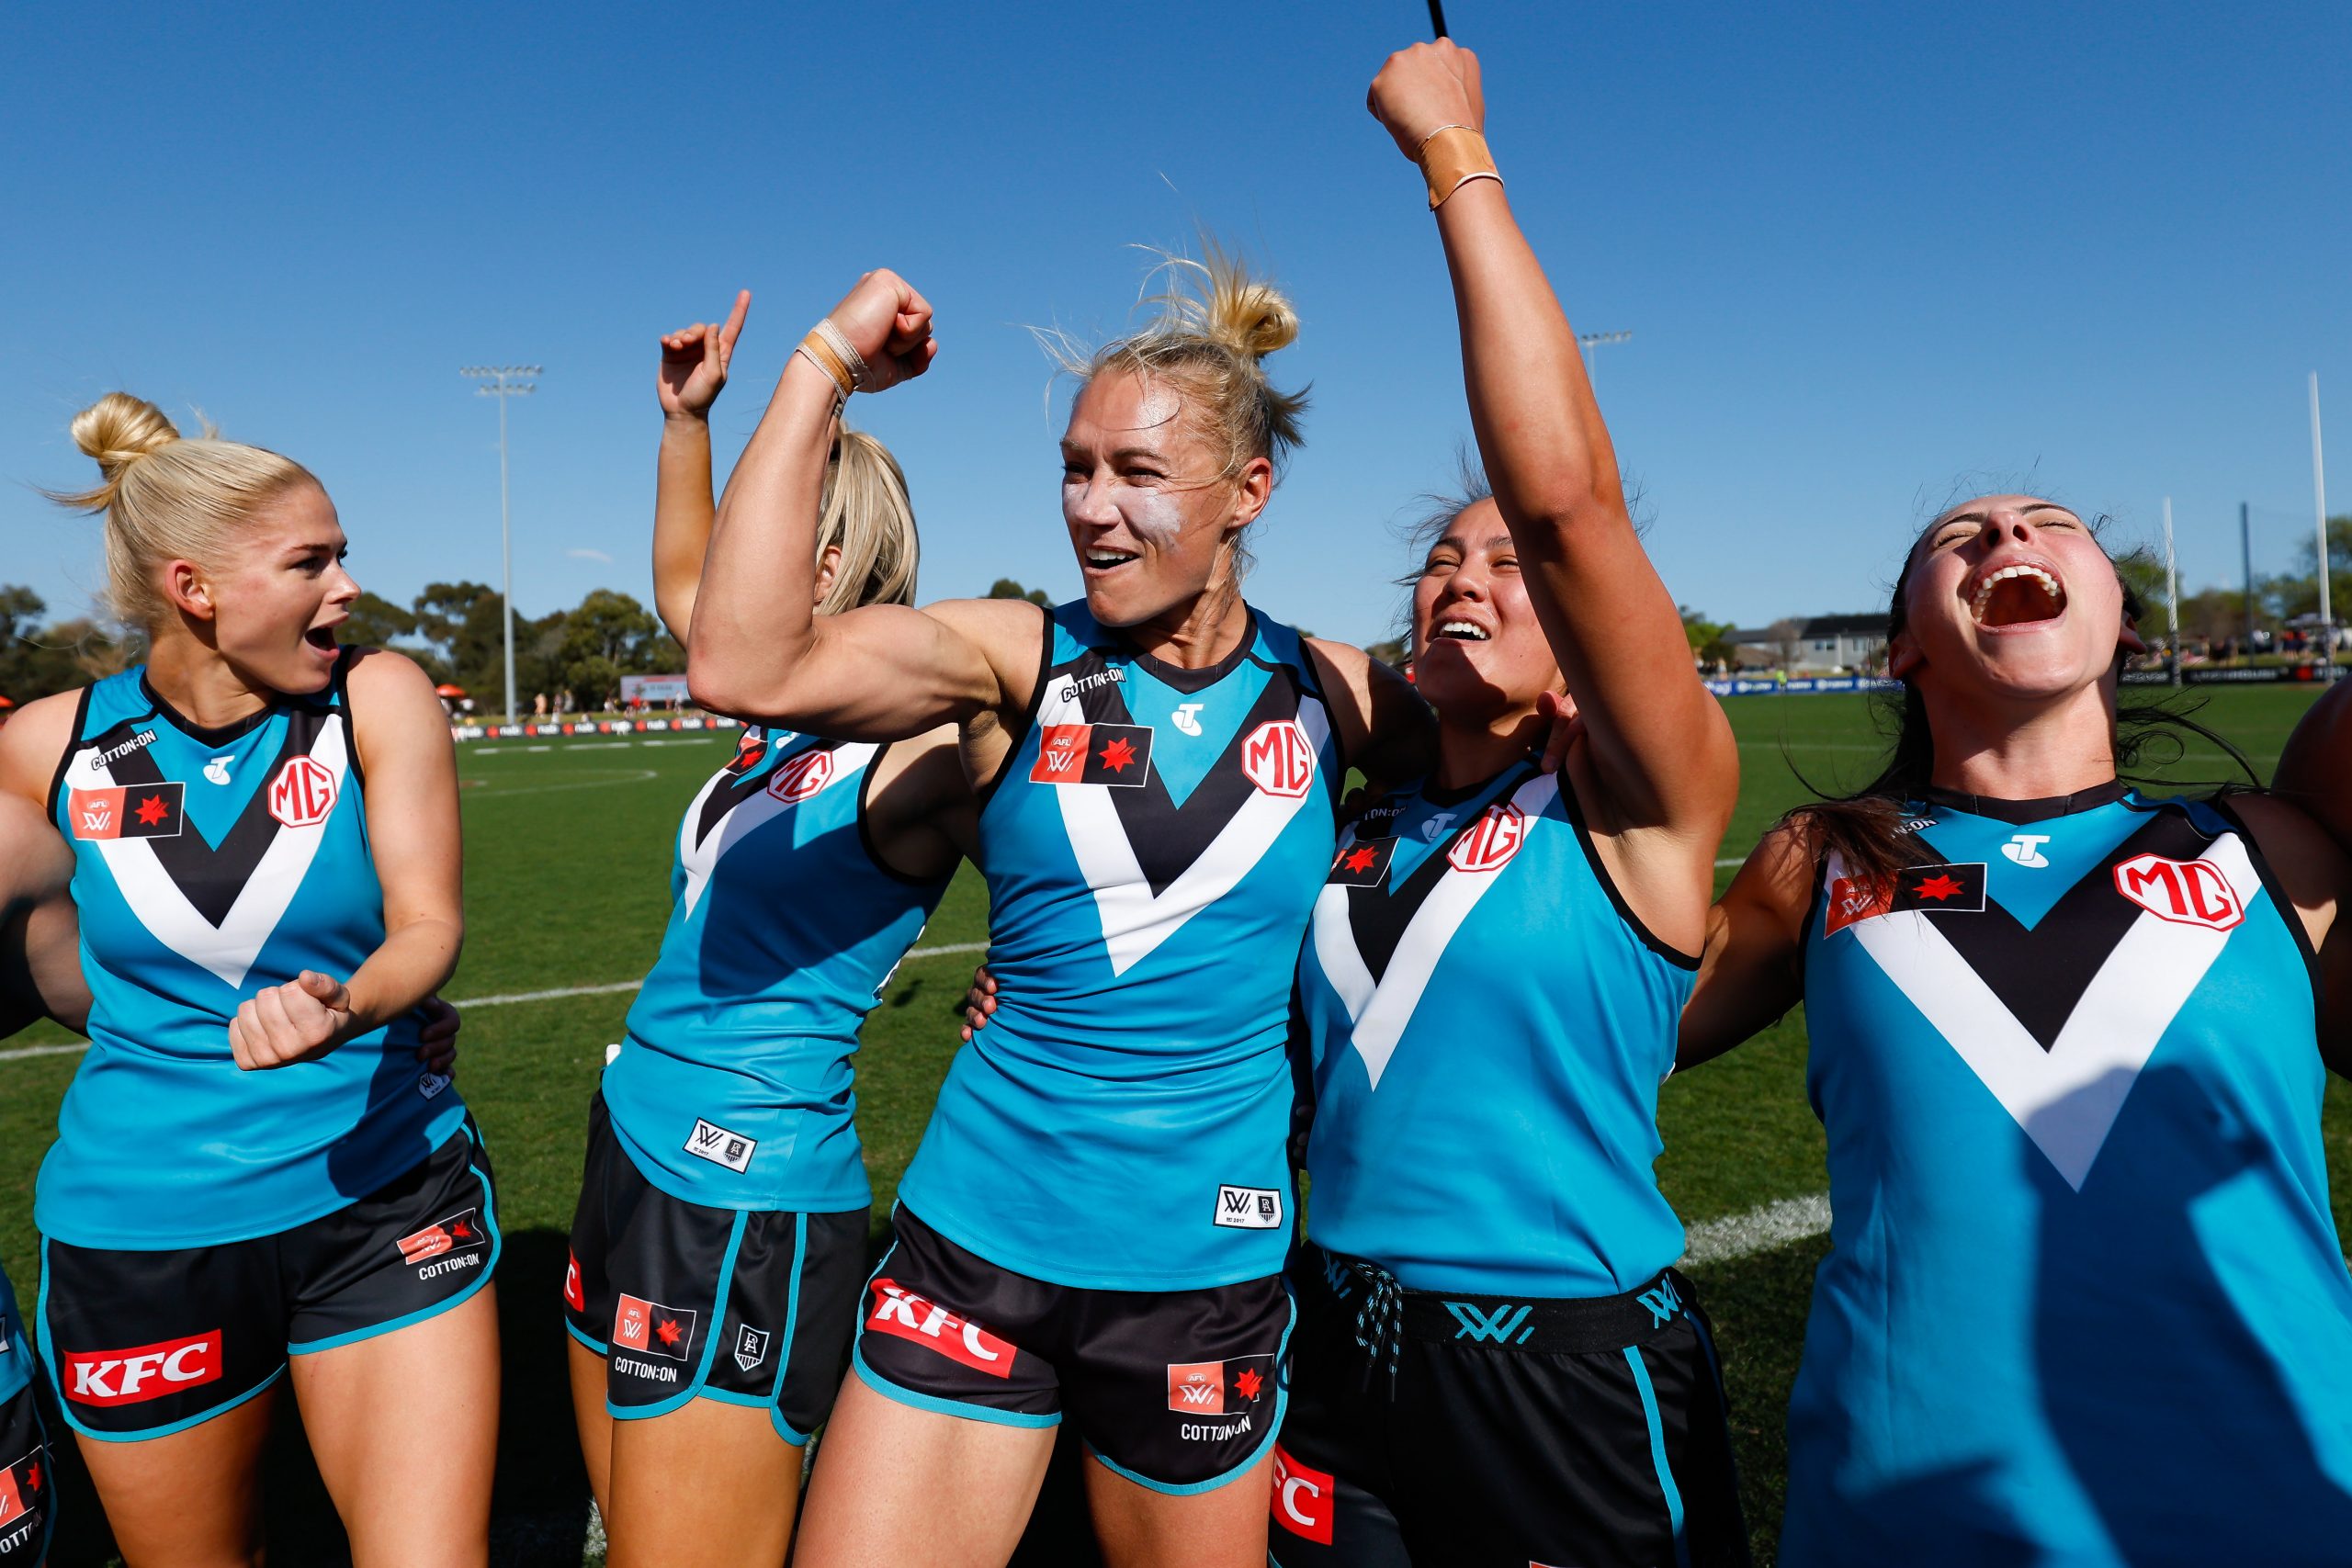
{"points": [[902, 1315], [1302, 1500], [144, 1371]]}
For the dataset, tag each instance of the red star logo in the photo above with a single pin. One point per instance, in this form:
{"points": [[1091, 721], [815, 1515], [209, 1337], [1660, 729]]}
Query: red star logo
{"points": [[1939, 887], [152, 810], [461, 1230], [1117, 755], [32, 1479], [1249, 1383], [1361, 860], [668, 1332]]}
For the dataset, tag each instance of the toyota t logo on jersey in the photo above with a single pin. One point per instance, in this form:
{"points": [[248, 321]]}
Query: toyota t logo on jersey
{"points": [[1279, 759], [1488, 843], [803, 776], [2187, 892], [903, 1315], [142, 1372], [127, 811], [302, 793]]}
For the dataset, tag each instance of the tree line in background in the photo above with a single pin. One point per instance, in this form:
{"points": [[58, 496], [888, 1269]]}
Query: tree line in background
{"points": [[453, 630]]}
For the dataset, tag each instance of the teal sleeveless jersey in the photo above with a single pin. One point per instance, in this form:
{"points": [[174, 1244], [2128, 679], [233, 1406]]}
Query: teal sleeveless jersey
{"points": [[734, 1087], [16, 1347], [209, 866], [2086, 1303], [1152, 851], [1489, 1028]]}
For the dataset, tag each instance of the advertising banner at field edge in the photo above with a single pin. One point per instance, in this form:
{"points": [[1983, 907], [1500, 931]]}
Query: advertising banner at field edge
{"points": [[586, 728]]}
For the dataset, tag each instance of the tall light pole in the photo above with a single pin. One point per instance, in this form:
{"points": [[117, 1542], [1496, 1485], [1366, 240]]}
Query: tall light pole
{"points": [[2318, 504], [504, 381], [1588, 342]]}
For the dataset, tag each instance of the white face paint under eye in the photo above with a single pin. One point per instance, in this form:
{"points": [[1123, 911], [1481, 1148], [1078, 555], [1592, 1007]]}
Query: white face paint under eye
{"points": [[1153, 515]]}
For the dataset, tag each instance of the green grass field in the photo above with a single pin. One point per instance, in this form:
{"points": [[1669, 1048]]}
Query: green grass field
{"points": [[568, 857]]}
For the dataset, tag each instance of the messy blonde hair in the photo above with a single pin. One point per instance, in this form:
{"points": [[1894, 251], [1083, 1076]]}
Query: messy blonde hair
{"points": [[166, 497], [865, 513], [1214, 327]]}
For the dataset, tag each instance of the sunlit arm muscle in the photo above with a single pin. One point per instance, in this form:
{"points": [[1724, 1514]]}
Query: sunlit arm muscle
{"points": [[759, 651], [683, 513], [411, 772], [1750, 976], [1660, 744]]}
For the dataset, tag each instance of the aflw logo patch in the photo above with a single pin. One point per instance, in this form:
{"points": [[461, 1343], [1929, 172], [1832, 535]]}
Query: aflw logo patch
{"points": [[128, 811], [653, 1328], [1248, 1208], [1093, 753], [714, 1143]]}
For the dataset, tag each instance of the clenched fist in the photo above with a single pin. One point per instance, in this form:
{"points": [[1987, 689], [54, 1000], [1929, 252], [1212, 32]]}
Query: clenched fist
{"points": [[889, 325], [1426, 86], [299, 1022]]}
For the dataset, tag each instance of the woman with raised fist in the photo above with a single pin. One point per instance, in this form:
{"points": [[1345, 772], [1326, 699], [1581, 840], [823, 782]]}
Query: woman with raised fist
{"points": [[1094, 1226], [253, 1171], [720, 1243]]}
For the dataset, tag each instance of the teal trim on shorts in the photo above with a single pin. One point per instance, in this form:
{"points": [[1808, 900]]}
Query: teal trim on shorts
{"points": [[1657, 1454], [938, 1406], [694, 1389], [596, 1344], [1265, 1444], [489, 1268], [791, 1325]]}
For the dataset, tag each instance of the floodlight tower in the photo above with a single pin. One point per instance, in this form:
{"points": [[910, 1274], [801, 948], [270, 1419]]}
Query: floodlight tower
{"points": [[1588, 342], [504, 381]]}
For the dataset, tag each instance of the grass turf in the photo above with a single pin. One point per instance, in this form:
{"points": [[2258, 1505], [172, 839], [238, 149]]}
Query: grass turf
{"points": [[568, 859]]}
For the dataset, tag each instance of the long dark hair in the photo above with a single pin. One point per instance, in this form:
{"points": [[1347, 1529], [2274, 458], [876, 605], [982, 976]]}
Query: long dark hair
{"points": [[1861, 828]]}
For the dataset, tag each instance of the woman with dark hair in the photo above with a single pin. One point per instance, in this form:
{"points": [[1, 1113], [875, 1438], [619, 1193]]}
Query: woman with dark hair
{"points": [[2085, 1301]]}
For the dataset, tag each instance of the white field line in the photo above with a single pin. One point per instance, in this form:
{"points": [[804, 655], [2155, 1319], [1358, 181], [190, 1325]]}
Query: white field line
{"points": [[943, 950], [1761, 1229]]}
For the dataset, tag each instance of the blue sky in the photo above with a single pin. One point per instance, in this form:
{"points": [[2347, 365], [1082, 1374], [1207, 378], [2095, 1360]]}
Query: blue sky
{"points": [[1864, 250]]}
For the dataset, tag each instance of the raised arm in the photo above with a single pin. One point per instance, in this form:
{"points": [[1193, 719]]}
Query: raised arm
{"points": [[693, 373], [1660, 747], [758, 649], [1752, 975]]}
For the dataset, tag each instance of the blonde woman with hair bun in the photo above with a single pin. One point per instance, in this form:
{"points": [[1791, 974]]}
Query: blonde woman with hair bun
{"points": [[720, 1235], [255, 1175], [1094, 1227]]}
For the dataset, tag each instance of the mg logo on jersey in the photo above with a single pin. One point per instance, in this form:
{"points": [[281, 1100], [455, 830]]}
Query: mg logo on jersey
{"points": [[1302, 1500], [1279, 759], [903, 1315], [1488, 843], [2189, 892], [302, 793], [796, 780], [142, 1372]]}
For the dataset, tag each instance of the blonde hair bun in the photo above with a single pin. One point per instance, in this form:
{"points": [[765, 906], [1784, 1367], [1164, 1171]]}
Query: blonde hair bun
{"points": [[1248, 315], [118, 430]]}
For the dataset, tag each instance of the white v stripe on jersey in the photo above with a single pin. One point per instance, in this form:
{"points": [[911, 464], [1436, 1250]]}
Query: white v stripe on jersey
{"points": [[749, 816], [1135, 922], [2065, 1099], [229, 948], [1379, 1011]]}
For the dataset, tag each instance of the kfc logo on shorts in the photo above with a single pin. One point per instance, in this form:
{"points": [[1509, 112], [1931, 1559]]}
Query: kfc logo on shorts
{"points": [[142, 1372], [2186, 892], [1302, 1503], [1488, 843], [573, 1296], [1279, 759], [803, 776], [302, 793], [652, 1328], [902, 1315]]}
